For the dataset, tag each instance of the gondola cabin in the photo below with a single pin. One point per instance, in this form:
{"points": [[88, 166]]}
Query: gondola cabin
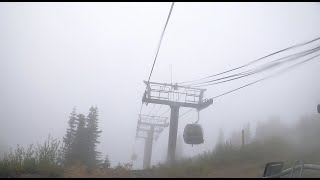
{"points": [[193, 134]]}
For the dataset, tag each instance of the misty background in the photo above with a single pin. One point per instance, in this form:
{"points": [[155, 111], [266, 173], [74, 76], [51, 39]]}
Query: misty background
{"points": [[54, 56]]}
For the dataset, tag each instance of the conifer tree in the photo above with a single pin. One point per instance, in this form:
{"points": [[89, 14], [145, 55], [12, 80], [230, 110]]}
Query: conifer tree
{"points": [[106, 163], [93, 135], [80, 147], [69, 138], [221, 137]]}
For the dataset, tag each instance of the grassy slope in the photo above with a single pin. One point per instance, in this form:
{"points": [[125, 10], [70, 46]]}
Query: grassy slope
{"points": [[300, 141], [229, 161]]}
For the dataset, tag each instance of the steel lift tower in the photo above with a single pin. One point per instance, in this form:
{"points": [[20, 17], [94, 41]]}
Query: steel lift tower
{"points": [[174, 96], [149, 128]]}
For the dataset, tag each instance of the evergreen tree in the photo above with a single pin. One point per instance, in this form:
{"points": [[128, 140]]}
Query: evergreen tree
{"points": [[69, 137], [236, 138], [106, 163], [80, 147], [81, 139], [93, 135], [247, 134], [220, 137]]}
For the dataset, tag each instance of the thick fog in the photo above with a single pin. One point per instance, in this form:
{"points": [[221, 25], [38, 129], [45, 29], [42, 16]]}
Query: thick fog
{"points": [[54, 56]]}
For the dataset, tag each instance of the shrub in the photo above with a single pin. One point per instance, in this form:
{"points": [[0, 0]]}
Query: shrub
{"points": [[44, 159]]}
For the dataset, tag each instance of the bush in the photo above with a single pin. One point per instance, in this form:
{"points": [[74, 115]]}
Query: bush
{"points": [[45, 160]]}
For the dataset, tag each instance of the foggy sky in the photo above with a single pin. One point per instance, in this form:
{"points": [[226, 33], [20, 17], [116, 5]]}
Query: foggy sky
{"points": [[54, 56]]}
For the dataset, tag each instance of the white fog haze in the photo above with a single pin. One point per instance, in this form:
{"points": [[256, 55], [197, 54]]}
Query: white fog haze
{"points": [[56, 56]]}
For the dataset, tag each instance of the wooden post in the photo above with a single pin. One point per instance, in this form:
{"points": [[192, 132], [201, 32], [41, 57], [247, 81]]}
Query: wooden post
{"points": [[242, 137]]}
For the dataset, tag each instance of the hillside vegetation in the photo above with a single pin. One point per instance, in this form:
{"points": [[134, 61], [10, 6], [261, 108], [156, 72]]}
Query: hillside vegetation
{"points": [[273, 141]]}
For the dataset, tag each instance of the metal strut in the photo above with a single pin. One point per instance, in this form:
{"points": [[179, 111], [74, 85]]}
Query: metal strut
{"points": [[198, 112]]}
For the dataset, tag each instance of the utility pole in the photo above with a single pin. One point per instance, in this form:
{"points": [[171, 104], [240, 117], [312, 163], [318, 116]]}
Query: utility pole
{"points": [[175, 97], [318, 108], [149, 128]]}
